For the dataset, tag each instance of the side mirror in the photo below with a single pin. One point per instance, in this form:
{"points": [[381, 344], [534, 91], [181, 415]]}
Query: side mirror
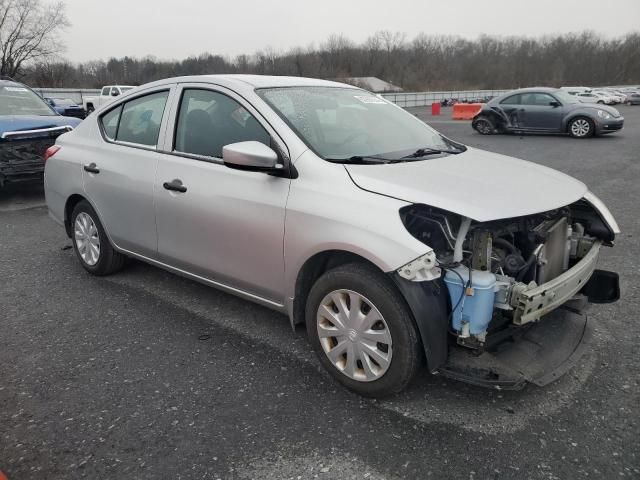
{"points": [[252, 156], [554, 104]]}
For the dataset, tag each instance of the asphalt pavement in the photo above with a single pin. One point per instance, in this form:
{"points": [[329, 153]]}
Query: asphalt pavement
{"points": [[145, 375]]}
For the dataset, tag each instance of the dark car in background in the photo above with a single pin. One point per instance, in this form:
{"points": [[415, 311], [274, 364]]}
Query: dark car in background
{"points": [[66, 107], [546, 110], [633, 98], [28, 126]]}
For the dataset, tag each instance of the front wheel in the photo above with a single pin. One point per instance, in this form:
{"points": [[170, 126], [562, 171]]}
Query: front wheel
{"points": [[362, 330], [581, 127]]}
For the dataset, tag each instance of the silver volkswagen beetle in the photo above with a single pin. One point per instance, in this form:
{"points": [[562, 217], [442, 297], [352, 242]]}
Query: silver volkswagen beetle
{"points": [[400, 249]]}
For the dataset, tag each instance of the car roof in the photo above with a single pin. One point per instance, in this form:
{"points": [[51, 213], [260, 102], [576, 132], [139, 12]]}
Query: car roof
{"points": [[255, 81], [533, 89]]}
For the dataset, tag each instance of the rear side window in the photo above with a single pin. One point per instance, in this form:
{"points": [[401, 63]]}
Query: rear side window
{"points": [[105, 91], [110, 123], [537, 99], [512, 100], [208, 120], [139, 120]]}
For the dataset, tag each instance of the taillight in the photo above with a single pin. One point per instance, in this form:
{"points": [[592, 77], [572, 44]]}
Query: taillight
{"points": [[51, 151]]}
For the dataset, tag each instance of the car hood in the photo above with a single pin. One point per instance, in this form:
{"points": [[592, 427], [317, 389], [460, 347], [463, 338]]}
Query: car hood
{"points": [[480, 185], [12, 123]]}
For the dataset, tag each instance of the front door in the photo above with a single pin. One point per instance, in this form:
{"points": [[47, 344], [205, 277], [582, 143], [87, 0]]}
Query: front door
{"points": [[119, 173], [221, 224], [540, 112]]}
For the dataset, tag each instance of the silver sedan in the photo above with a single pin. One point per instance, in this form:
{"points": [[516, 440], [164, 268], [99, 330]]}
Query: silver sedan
{"points": [[396, 246]]}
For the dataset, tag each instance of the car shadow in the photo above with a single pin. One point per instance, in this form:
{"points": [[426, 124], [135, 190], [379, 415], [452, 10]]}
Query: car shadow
{"points": [[20, 197]]}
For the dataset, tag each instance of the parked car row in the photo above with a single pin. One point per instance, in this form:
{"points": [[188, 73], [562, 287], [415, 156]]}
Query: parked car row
{"points": [[606, 95]]}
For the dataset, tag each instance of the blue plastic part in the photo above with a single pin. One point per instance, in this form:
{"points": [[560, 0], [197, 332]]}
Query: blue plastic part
{"points": [[476, 309]]}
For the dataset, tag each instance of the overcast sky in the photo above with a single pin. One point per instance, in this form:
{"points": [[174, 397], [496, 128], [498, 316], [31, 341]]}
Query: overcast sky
{"points": [[177, 29]]}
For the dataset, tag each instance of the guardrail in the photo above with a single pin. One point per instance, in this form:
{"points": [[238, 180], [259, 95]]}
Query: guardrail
{"points": [[75, 94], [402, 99], [420, 99]]}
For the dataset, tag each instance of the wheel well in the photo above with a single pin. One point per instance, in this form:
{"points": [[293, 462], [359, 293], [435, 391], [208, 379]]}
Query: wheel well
{"points": [[490, 115], [72, 201], [313, 269]]}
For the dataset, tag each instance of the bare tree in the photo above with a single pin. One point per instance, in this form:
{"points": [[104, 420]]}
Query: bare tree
{"points": [[29, 32]]}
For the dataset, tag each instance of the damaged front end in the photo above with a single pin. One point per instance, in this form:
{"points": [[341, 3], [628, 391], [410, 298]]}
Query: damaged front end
{"points": [[516, 288], [22, 151]]}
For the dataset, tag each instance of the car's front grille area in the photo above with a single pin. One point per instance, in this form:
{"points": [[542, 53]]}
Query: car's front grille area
{"points": [[74, 112], [22, 159], [616, 126]]}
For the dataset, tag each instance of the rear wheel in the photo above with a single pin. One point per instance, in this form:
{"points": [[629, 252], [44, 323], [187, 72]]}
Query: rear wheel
{"points": [[362, 330], [484, 125], [91, 244], [581, 127]]}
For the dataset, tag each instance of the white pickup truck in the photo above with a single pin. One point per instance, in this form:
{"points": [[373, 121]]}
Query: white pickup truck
{"points": [[107, 95]]}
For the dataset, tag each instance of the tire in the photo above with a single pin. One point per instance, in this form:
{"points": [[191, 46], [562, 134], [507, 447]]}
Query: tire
{"points": [[379, 368], [90, 109], [91, 244], [484, 125], [581, 127]]}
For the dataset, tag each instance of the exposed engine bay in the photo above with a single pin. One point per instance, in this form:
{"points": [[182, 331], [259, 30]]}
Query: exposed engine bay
{"points": [[504, 274]]}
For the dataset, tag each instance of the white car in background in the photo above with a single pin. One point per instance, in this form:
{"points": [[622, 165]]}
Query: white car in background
{"points": [[593, 97], [576, 90], [615, 96]]}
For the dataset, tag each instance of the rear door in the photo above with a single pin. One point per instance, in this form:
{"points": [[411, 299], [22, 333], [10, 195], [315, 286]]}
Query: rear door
{"points": [[541, 111], [225, 225], [119, 172]]}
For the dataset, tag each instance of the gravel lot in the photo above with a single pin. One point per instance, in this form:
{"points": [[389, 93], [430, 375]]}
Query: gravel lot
{"points": [[147, 375]]}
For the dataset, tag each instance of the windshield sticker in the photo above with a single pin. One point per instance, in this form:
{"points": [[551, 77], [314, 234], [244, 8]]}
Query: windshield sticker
{"points": [[370, 99], [16, 89]]}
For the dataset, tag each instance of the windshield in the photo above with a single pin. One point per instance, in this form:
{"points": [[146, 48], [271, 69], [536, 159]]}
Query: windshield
{"points": [[341, 123], [125, 89], [16, 100], [565, 98]]}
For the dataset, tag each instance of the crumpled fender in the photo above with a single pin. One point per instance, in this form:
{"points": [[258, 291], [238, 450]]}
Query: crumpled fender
{"points": [[428, 302]]}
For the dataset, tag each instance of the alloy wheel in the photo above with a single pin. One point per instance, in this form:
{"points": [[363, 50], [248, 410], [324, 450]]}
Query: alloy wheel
{"points": [[354, 335], [580, 127], [87, 238]]}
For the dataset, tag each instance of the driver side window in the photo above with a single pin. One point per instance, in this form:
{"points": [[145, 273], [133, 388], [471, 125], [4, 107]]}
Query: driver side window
{"points": [[208, 120]]}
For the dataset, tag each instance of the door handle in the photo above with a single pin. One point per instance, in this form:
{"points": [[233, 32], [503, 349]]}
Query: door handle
{"points": [[175, 185], [91, 168]]}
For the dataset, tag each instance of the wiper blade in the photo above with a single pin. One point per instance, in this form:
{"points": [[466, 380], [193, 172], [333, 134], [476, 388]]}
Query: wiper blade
{"points": [[423, 152], [362, 159]]}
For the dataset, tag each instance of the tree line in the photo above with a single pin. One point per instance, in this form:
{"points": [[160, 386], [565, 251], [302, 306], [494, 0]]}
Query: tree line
{"points": [[30, 50]]}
